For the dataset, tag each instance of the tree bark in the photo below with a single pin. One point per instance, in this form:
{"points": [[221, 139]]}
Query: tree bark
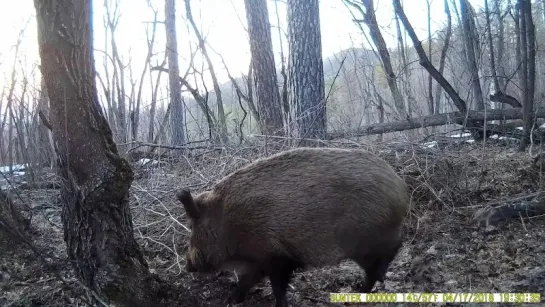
{"points": [[264, 71], [97, 223], [177, 111], [306, 90]]}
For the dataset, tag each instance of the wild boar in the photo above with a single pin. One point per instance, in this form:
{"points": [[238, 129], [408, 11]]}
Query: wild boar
{"points": [[301, 208]]}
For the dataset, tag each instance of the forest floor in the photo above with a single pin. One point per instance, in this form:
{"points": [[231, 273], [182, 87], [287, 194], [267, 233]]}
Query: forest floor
{"points": [[445, 249]]}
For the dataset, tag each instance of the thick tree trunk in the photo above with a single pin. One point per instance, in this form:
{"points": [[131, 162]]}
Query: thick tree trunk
{"points": [[97, 223], [470, 53], [306, 92], [177, 112], [264, 71], [528, 50]]}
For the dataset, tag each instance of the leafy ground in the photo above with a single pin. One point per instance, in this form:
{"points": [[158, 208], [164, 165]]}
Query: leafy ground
{"points": [[445, 249]]}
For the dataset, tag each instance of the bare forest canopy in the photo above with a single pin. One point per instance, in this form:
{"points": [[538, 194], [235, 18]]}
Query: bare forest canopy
{"points": [[392, 76]]}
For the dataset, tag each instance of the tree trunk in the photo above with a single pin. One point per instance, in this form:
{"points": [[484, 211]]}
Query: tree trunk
{"points": [[407, 82], [443, 57], [96, 218], [264, 71], [470, 53], [177, 112], [370, 20], [528, 59], [498, 95], [306, 90], [431, 104]]}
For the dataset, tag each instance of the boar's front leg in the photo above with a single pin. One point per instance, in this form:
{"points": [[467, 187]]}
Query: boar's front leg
{"points": [[280, 272], [246, 281]]}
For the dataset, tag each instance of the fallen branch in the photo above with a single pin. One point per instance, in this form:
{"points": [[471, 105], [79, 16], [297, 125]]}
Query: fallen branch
{"points": [[435, 120], [181, 147], [504, 98]]}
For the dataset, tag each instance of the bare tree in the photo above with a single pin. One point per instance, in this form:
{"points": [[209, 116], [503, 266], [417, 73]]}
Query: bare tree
{"points": [[150, 41], [264, 71], [406, 84], [177, 107], [306, 92], [97, 222], [119, 70], [430, 79], [153, 104], [202, 45], [443, 57], [498, 95], [370, 19]]}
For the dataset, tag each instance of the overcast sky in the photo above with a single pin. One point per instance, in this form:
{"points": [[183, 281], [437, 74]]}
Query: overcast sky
{"points": [[221, 21]]}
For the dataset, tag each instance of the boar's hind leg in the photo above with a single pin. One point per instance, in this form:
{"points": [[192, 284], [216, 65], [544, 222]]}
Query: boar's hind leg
{"points": [[280, 272], [245, 283], [376, 265]]}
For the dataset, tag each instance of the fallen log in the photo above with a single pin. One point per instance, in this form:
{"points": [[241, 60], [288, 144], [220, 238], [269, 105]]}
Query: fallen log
{"points": [[525, 206], [436, 120]]}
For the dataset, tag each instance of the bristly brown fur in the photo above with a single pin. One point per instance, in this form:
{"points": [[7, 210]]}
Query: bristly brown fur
{"points": [[306, 207]]}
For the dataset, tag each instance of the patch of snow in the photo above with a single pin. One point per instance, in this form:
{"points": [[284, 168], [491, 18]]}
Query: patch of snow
{"points": [[15, 168], [457, 135], [147, 162], [431, 144], [509, 139]]}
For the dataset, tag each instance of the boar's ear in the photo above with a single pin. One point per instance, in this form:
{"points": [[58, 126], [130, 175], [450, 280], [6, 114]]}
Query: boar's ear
{"points": [[185, 197]]}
